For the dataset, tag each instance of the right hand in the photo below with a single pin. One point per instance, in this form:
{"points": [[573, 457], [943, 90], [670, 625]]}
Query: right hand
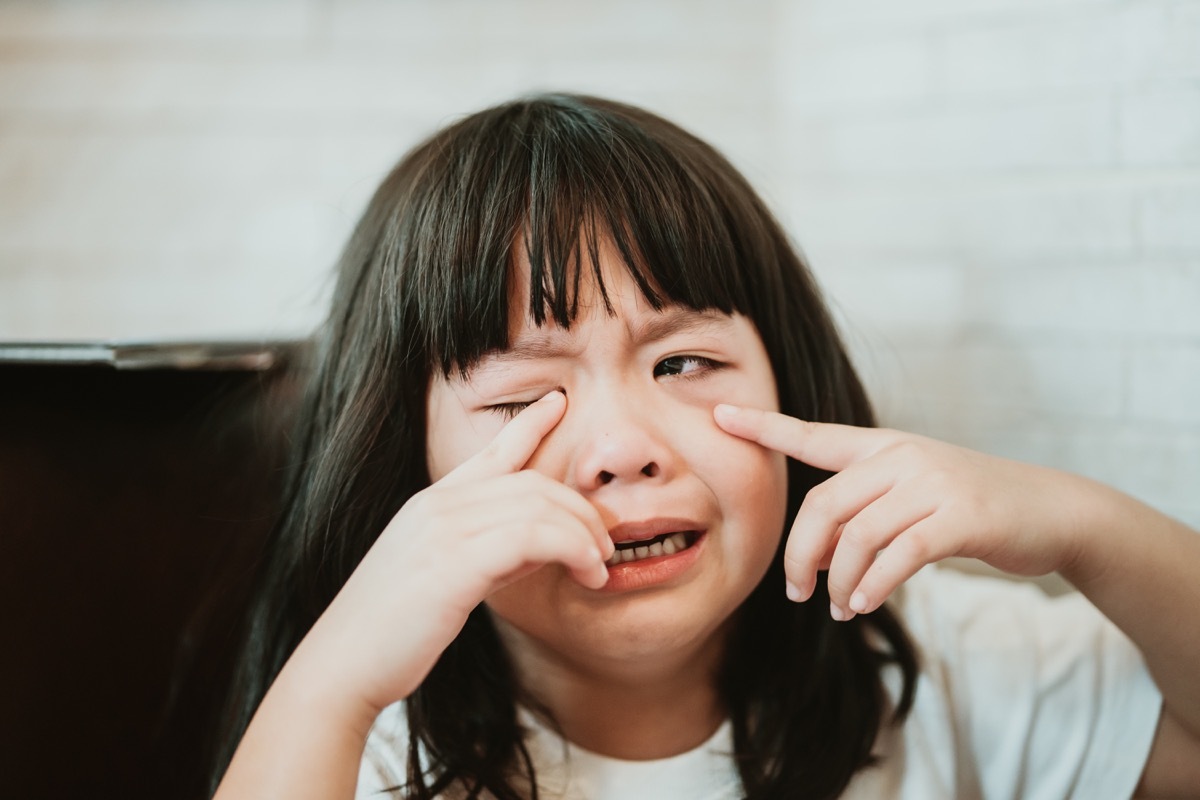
{"points": [[485, 524]]}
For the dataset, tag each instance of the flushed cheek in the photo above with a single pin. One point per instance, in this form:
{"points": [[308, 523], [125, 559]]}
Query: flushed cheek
{"points": [[750, 484]]}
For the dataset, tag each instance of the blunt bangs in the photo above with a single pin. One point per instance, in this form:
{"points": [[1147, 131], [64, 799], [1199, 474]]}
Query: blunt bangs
{"points": [[553, 177]]}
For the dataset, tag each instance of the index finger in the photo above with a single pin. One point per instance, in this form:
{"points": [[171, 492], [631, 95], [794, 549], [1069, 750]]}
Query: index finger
{"points": [[510, 450], [824, 445]]}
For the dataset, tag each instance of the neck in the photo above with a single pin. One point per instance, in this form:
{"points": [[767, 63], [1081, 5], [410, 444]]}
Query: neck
{"points": [[633, 711]]}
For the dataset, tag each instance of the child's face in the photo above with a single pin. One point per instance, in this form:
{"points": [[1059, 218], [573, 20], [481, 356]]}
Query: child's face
{"points": [[639, 442]]}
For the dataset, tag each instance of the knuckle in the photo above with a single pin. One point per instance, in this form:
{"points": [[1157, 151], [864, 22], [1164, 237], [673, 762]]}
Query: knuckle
{"points": [[540, 504], [491, 451], [916, 545], [535, 478], [497, 455], [806, 428], [839, 587], [857, 534], [822, 500], [941, 481], [794, 562], [524, 479], [908, 450], [427, 502], [529, 485]]}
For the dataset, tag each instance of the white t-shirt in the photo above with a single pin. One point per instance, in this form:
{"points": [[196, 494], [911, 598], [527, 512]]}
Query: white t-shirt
{"points": [[1019, 696]]}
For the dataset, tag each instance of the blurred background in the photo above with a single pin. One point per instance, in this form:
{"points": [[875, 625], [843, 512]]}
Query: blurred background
{"points": [[1001, 197]]}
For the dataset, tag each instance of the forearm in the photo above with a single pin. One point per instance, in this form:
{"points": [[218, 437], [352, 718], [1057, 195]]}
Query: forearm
{"points": [[303, 742], [1142, 570]]}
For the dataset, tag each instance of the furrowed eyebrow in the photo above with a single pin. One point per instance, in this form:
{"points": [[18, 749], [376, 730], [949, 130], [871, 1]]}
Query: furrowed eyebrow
{"points": [[677, 320], [547, 344]]}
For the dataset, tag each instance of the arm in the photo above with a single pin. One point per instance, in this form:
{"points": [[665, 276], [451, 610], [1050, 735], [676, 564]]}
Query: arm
{"points": [[1142, 570], [899, 502], [486, 523]]}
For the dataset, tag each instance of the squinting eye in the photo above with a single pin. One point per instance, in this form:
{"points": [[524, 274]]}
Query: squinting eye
{"points": [[685, 366], [508, 410]]}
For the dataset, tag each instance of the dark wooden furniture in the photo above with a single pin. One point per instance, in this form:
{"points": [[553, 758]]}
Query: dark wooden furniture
{"points": [[133, 504]]}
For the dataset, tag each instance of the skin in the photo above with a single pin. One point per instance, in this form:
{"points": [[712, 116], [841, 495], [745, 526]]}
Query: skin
{"points": [[900, 501], [519, 517], [629, 673]]}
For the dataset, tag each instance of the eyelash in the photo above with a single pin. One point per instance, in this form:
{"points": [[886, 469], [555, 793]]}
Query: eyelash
{"points": [[509, 410], [706, 364]]}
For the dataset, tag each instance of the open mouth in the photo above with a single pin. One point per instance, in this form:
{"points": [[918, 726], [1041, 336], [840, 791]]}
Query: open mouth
{"points": [[666, 544]]}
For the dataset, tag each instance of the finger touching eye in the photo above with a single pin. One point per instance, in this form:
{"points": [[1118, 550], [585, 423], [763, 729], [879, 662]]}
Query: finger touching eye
{"points": [[509, 410]]}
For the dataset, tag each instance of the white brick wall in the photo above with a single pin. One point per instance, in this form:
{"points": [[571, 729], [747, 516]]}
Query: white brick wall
{"points": [[1001, 196], [1022, 178], [192, 168]]}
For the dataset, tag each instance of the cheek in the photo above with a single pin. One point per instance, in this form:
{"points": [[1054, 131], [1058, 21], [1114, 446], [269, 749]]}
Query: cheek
{"points": [[750, 483], [453, 435], [760, 477]]}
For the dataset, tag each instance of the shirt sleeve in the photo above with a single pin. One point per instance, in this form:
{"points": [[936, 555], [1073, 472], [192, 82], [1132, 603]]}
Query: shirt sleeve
{"points": [[384, 764], [1048, 698]]}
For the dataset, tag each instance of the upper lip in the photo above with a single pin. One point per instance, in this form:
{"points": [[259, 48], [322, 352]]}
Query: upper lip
{"points": [[648, 529]]}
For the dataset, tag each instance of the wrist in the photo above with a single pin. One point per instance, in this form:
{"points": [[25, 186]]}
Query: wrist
{"points": [[318, 681], [1101, 520]]}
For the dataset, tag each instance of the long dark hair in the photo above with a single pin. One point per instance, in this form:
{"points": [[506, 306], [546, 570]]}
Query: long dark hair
{"points": [[423, 286]]}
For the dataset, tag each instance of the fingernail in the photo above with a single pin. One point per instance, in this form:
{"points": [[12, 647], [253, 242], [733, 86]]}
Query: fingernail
{"points": [[838, 614], [551, 394], [601, 572], [725, 411], [858, 602], [793, 592], [807, 589]]}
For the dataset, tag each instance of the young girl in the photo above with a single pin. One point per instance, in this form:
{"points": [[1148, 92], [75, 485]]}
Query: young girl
{"points": [[587, 503]]}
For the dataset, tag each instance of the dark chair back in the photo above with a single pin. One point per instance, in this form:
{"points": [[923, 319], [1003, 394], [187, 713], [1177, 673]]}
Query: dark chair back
{"points": [[133, 506]]}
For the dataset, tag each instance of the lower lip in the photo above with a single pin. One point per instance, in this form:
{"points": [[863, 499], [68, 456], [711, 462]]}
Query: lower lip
{"points": [[632, 575]]}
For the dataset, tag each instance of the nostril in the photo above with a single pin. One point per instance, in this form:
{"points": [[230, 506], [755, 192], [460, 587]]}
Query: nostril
{"points": [[605, 477]]}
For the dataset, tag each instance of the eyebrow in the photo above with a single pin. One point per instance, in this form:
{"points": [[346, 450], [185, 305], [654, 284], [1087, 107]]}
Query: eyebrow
{"points": [[554, 343]]}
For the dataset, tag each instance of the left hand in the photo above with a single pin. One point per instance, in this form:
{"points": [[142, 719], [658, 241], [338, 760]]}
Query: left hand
{"points": [[900, 501]]}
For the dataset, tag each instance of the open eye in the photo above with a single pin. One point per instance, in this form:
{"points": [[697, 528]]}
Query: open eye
{"points": [[509, 410], [685, 366]]}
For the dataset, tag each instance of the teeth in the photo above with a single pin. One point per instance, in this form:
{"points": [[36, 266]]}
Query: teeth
{"points": [[669, 546]]}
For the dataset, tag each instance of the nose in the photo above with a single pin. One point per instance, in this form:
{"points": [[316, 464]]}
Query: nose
{"points": [[618, 445]]}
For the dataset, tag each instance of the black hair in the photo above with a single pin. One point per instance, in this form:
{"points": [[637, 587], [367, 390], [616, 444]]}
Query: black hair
{"points": [[423, 287]]}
